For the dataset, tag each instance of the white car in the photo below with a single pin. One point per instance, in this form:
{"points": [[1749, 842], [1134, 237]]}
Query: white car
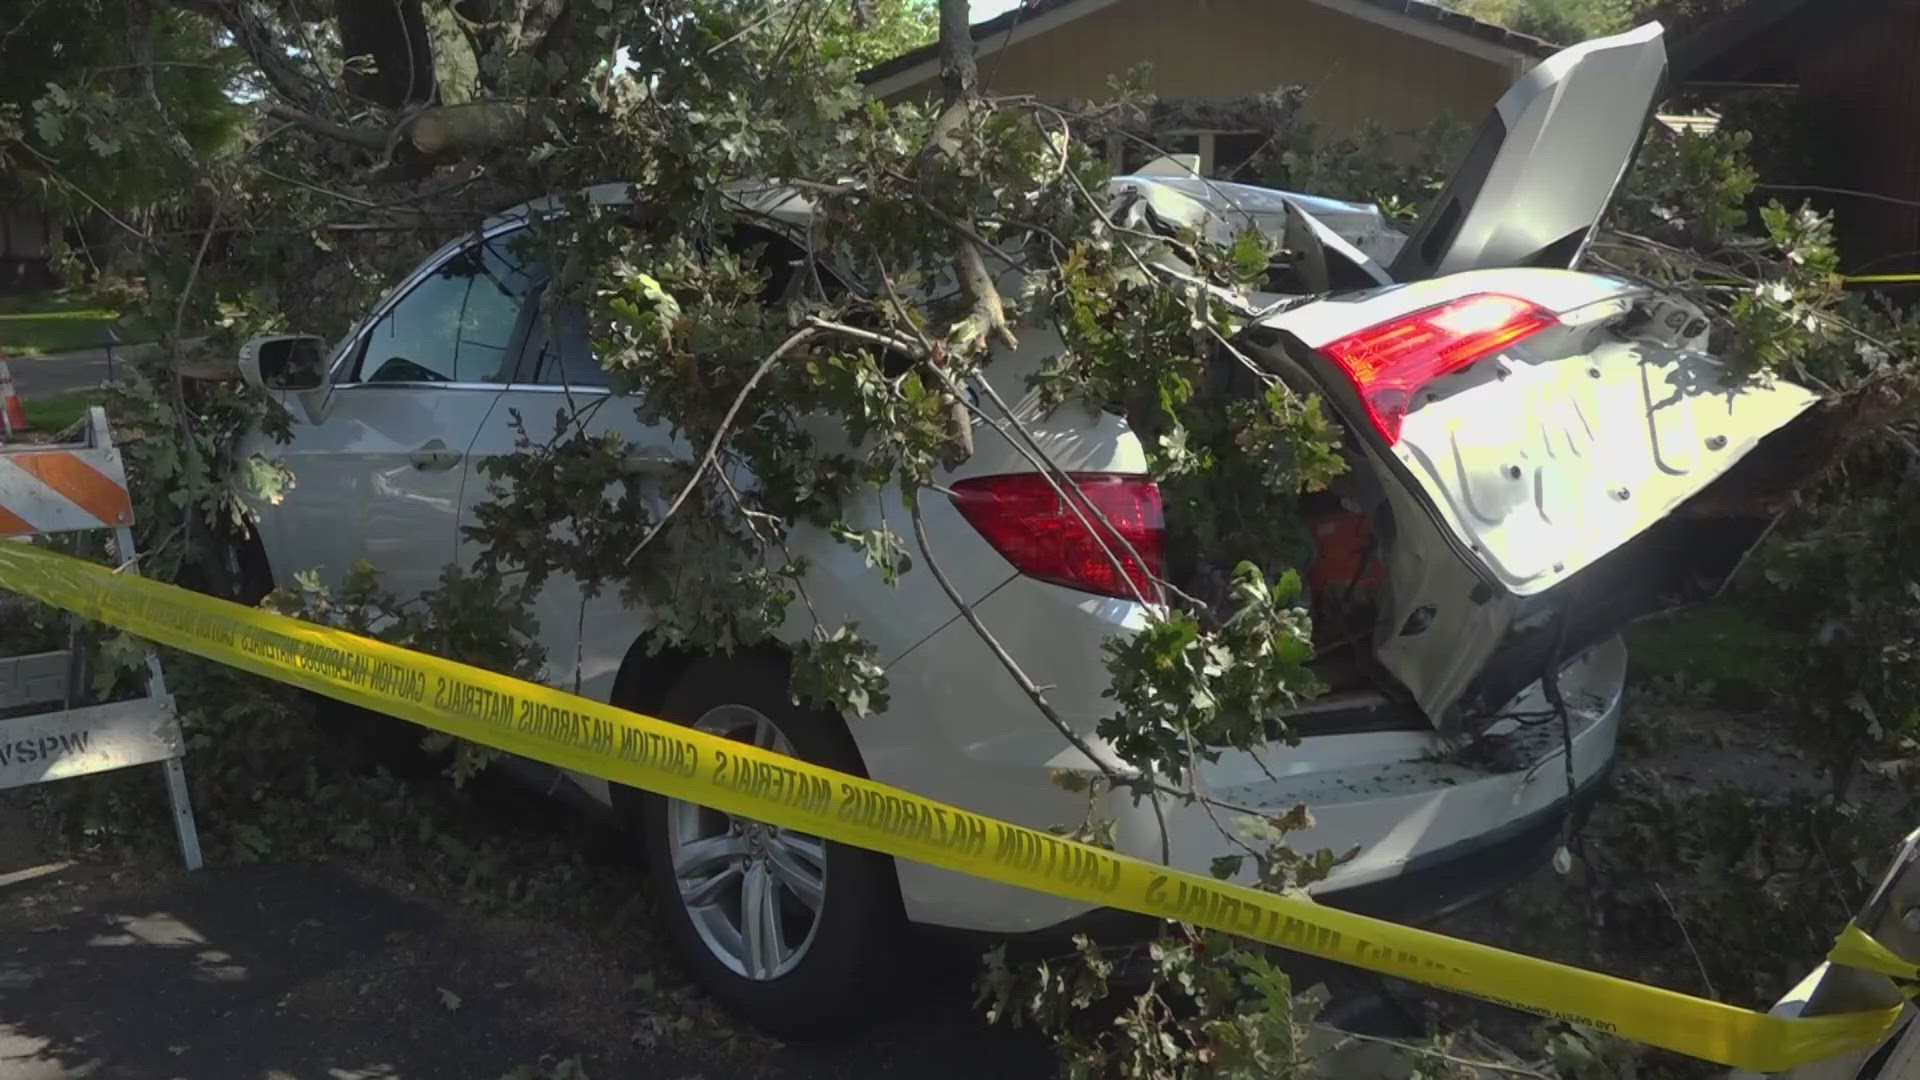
{"points": [[1529, 447]]}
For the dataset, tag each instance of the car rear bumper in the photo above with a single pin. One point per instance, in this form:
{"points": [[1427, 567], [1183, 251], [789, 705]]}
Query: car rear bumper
{"points": [[1427, 888], [1411, 802]]}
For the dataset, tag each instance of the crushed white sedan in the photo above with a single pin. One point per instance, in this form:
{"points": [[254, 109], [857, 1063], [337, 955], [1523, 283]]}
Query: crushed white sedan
{"points": [[1537, 456]]}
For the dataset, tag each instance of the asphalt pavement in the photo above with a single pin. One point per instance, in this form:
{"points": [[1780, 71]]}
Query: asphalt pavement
{"points": [[117, 971], [62, 373]]}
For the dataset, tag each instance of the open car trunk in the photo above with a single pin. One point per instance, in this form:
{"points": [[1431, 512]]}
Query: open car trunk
{"points": [[1535, 504], [1538, 456]]}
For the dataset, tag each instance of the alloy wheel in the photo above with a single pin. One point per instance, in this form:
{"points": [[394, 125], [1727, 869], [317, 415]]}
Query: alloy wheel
{"points": [[753, 891]]}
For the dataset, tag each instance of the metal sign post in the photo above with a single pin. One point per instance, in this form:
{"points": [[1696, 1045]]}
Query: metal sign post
{"points": [[65, 488]]}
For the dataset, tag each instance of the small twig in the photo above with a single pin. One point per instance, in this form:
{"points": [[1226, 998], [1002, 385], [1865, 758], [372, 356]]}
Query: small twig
{"points": [[33, 10], [1832, 877], [798, 338], [872, 337], [580, 642], [899, 306], [961, 227], [367, 138], [1688, 938], [1056, 478], [317, 189], [1026, 684], [772, 10], [1193, 777], [1849, 192], [1441, 1055], [47, 163]]}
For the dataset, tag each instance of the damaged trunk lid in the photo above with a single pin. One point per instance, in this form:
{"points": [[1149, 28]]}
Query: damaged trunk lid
{"points": [[1580, 470], [1541, 456]]}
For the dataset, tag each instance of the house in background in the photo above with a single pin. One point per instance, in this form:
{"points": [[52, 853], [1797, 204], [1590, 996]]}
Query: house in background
{"points": [[26, 235], [1400, 63], [1852, 70]]}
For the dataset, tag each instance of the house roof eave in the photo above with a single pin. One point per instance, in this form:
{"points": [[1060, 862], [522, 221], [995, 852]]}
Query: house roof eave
{"points": [[1033, 17]]}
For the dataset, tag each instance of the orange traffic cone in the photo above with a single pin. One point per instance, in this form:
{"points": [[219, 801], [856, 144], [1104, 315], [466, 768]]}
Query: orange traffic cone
{"points": [[13, 415]]}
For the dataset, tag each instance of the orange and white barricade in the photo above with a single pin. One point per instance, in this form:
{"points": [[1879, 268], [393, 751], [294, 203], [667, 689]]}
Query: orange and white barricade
{"points": [[67, 488], [13, 415]]}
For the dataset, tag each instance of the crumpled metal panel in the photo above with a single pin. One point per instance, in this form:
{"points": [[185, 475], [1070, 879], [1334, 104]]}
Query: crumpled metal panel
{"points": [[1545, 466]]}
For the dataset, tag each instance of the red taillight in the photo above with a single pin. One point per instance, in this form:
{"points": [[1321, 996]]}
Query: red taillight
{"points": [[1391, 361], [1032, 527]]}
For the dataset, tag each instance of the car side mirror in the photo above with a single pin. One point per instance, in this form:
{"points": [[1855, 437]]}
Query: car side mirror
{"points": [[284, 362]]}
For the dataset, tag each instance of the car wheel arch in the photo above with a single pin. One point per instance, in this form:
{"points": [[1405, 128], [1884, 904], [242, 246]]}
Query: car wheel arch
{"points": [[647, 678], [648, 674]]}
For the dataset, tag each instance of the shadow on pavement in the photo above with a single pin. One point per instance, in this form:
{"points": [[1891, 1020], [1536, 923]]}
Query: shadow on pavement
{"points": [[290, 973]]}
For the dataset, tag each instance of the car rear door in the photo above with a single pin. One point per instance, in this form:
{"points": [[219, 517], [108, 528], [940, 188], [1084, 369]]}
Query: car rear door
{"points": [[558, 390]]}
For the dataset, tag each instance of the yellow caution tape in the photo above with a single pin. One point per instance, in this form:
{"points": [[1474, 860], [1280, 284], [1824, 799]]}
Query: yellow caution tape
{"points": [[576, 733], [1857, 949], [1879, 279]]}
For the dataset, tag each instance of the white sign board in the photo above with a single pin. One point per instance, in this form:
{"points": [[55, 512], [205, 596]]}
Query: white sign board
{"points": [[80, 742]]}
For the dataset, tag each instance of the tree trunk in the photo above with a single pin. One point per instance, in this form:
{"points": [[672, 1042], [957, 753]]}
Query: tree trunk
{"points": [[958, 74], [393, 36]]}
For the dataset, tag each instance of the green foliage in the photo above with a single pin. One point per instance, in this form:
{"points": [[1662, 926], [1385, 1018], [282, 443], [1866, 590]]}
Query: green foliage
{"points": [[1690, 189], [1760, 884], [878, 30], [1401, 171], [1209, 1011], [1834, 574], [838, 670], [66, 73], [1843, 574], [1184, 691], [475, 618], [807, 371]]}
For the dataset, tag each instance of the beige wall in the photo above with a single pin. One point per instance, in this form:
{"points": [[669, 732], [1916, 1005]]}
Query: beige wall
{"points": [[1227, 48]]}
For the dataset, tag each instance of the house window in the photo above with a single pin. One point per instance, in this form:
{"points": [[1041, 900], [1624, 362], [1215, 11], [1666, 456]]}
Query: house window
{"points": [[1235, 154], [1224, 155]]}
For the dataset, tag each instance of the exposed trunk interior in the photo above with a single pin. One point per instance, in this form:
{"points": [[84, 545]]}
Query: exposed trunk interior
{"points": [[1331, 539], [1341, 538]]}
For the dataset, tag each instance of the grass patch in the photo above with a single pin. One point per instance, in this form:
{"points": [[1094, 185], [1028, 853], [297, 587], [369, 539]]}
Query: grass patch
{"points": [[1727, 644], [52, 414], [41, 323]]}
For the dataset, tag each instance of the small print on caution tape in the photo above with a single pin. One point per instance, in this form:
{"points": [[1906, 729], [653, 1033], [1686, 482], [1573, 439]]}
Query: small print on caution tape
{"points": [[576, 733]]}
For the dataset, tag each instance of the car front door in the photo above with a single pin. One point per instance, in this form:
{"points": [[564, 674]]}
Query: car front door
{"points": [[378, 475]]}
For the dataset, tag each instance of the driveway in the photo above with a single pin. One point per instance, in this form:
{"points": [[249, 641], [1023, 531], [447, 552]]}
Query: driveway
{"points": [[308, 973]]}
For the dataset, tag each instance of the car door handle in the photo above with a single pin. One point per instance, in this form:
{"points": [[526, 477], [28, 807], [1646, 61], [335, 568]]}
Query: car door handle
{"points": [[435, 457]]}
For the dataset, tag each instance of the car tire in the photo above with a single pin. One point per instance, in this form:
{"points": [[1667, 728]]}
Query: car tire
{"points": [[844, 950]]}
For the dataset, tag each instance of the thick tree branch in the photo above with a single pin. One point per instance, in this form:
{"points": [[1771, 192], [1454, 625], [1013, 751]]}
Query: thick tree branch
{"points": [[987, 321], [959, 76], [437, 135], [369, 138], [389, 52], [448, 132]]}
